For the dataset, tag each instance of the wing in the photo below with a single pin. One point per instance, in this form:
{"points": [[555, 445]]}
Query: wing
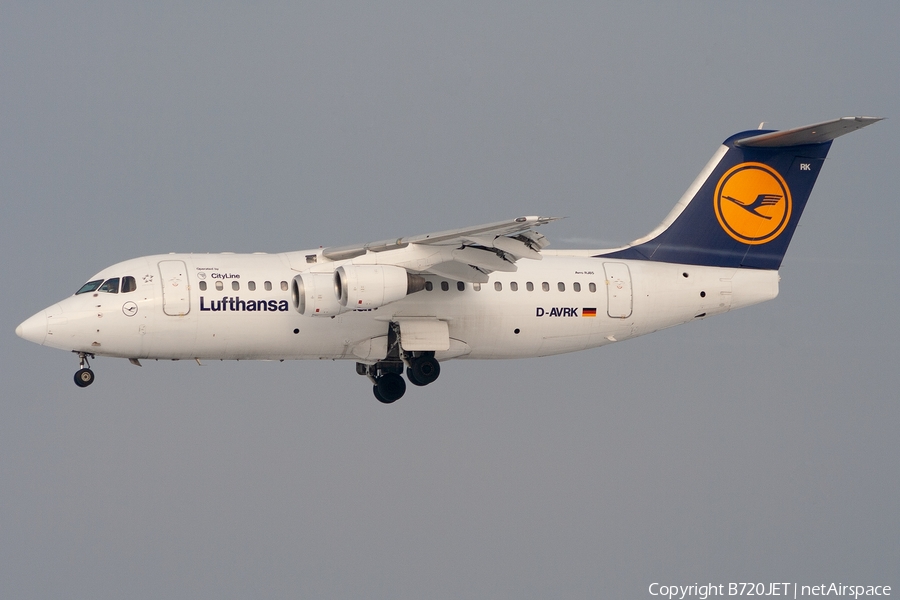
{"points": [[467, 254]]}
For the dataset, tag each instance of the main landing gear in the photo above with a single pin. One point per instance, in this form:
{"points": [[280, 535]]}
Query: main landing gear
{"points": [[389, 387], [387, 377], [423, 370], [84, 376]]}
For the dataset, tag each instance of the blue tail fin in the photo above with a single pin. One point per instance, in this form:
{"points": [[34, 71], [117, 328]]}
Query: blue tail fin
{"points": [[744, 206]]}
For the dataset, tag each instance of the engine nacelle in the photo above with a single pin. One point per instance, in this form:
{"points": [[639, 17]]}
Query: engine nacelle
{"points": [[312, 294], [370, 286]]}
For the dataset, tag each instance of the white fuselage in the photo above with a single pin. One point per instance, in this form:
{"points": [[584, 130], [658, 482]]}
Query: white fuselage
{"points": [[233, 306]]}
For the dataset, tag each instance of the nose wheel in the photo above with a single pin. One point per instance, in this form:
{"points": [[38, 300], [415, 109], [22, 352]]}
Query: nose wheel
{"points": [[84, 376]]}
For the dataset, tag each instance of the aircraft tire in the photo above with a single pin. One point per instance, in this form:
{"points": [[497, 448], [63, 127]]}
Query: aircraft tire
{"points": [[84, 377], [411, 375], [390, 388], [378, 395], [424, 370]]}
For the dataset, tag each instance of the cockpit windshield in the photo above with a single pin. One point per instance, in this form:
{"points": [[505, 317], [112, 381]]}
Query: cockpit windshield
{"points": [[90, 286], [111, 286]]}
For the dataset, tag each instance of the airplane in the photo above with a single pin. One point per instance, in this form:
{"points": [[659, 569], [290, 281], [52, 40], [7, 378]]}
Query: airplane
{"points": [[486, 292]]}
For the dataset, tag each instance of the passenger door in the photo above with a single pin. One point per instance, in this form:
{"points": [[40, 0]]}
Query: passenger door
{"points": [[176, 291], [618, 290]]}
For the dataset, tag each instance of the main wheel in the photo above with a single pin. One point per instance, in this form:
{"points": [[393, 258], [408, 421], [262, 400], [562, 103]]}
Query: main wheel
{"points": [[390, 387], [411, 375], [425, 370], [379, 397], [84, 377]]}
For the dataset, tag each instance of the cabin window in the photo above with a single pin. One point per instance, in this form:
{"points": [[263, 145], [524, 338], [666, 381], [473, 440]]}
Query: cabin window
{"points": [[220, 286], [251, 285], [461, 286], [545, 286], [561, 286], [592, 286], [284, 286], [445, 286], [90, 286], [576, 286], [128, 284], [476, 287], [529, 286], [498, 286], [268, 286], [429, 286], [514, 286], [111, 286], [202, 286], [236, 285]]}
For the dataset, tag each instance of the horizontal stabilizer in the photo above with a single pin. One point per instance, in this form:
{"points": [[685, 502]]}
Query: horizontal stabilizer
{"points": [[811, 134]]}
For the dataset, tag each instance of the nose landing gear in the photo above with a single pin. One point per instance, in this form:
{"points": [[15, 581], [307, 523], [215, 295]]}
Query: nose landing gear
{"points": [[84, 376]]}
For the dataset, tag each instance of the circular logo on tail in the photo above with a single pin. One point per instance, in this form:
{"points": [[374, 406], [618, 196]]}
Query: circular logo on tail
{"points": [[752, 203]]}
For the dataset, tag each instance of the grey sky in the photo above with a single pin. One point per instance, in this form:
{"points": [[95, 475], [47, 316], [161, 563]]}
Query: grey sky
{"points": [[756, 446]]}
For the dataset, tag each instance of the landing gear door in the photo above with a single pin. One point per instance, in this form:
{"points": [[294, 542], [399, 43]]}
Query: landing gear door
{"points": [[618, 290], [424, 335], [176, 291]]}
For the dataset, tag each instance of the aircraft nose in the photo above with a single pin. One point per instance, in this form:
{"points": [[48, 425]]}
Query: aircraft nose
{"points": [[34, 329]]}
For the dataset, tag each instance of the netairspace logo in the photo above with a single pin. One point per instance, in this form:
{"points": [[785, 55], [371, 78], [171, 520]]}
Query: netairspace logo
{"points": [[788, 589]]}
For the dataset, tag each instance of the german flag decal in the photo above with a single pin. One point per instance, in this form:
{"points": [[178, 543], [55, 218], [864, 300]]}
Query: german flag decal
{"points": [[588, 312]]}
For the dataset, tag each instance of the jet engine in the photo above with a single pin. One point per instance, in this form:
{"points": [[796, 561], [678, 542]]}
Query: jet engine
{"points": [[313, 294], [370, 286]]}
